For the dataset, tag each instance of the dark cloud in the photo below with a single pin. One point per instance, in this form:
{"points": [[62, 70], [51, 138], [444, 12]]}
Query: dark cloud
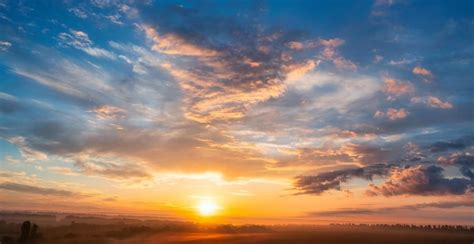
{"points": [[458, 144], [419, 118], [314, 156], [365, 154], [465, 162], [388, 210], [420, 180], [322, 182], [9, 104], [112, 169], [38, 190], [370, 154]]}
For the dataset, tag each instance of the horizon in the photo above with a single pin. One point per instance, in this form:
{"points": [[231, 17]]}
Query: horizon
{"points": [[245, 112], [83, 218]]}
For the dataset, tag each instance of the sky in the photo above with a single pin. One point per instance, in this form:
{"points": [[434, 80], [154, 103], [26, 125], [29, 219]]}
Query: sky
{"points": [[273, 111]]}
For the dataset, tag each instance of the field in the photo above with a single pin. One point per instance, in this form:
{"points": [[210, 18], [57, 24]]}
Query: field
{"points": [[86, 229]]}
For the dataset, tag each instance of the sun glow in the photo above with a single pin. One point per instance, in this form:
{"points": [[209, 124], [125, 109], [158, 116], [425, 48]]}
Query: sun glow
{"points": [[207, 207]]}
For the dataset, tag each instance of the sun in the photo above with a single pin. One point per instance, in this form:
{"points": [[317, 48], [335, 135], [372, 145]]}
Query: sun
{"points": [[207, 207]]}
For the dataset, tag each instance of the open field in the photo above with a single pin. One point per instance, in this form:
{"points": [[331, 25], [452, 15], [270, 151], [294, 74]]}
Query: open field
{"points": [[319, 235], [86, 229]]}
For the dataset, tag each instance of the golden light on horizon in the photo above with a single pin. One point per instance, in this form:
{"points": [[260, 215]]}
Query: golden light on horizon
{"points": [[207, 207]]}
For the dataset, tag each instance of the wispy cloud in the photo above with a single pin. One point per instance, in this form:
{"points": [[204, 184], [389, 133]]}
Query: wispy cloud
{"points": [[4, 46], [388, 210], [38, 190], [80, 40], [432, 101]]}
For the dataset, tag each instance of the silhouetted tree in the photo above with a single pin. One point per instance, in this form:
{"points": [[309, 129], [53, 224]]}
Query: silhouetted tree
{"points": [[25, 232], [34, 235], [29, 233]]}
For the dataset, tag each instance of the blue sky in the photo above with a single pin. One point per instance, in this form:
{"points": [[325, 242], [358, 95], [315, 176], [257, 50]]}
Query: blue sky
{"points": [[322, 98]]}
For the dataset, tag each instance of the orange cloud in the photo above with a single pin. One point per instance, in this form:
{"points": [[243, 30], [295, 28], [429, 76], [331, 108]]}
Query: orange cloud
{"points": [[333, 43], [432, 101], [396, 88], [174, 45], [418, 70], [343, 63], [427, 75], [329, 52], [392, 114], [107, 112], [295, 71], [295, 45], [208, 99], [252, 63], [437, 103]]}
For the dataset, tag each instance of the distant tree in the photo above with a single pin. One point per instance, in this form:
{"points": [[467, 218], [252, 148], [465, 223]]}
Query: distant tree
{"points": [[29, 233], [25, 232]]}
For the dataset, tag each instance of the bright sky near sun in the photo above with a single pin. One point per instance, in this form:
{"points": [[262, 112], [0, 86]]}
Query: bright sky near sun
{"points": [[239, 111]]}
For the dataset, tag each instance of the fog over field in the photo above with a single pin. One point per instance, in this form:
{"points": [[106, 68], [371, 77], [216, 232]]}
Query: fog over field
{"points": [[64, 228]]}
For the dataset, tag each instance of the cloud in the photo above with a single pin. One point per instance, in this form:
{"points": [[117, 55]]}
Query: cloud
{"points": [[106, 112], [387, 210], [432, 101], [173, 44], [420, 180], [222, 80], [78, 12], [330, 53], [418, 70], [296, 71], [395, 88], [29, 154], [401, 180], [115, 19], [465, 162], [11, 174], [9, 103], [402, 61], [110, 167], [295, 45], [68, 76], [317, 156], [182, 100], [378, 59], [458, 158], [425, 73], [80, 40], [392, 114], [4, 46], [381, 8], [63, 171], [334, 91], [96, 97], [384, 2], [223, 88], [360, 154], [325, 181], [38, 190], [458, 144]]}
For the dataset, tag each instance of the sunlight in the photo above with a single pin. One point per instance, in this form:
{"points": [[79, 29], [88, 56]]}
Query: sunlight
{"points": [[207, 207]]}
